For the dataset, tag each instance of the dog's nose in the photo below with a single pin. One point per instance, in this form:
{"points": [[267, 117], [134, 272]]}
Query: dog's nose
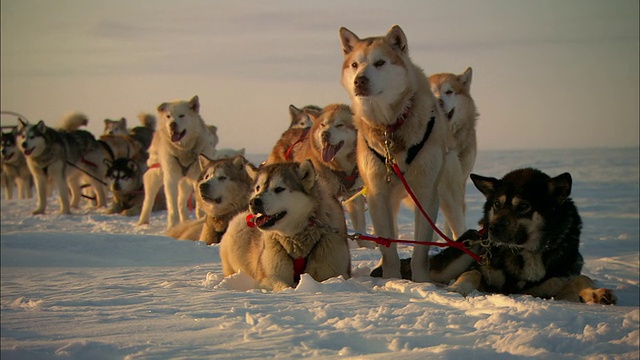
{"points": [[24, 145], [361, 81], [204, 187], [256, 204], [326, 135], [441, 103], [116, 186], [173, 126]]}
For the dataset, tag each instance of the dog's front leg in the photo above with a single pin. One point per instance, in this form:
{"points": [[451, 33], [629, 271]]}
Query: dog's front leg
{"points": [[382, 219], [171, 186], [185, 192], [423, 232], [356, 210], [57, 172], [152, 182], [41, 189]]}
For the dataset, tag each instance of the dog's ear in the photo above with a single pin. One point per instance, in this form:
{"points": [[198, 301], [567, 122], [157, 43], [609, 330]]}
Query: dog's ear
{"points": [[21, 125], [42, 128], [294, 112], [307, 175], [465, 79], [239, 162], [486, 185], [560, 187], [397, 39], [252, 171], [194, 104], [123, 121], [348, 40], [204, 161], [163, 107]]}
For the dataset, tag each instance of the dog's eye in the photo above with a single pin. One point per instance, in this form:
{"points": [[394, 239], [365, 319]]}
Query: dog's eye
{"points": [[379, 63], [257, 188], [354, 65], [278, 190], [181, 116], [340, 126], [496, 204], [449, 92], [222, 178], [523, 206]]}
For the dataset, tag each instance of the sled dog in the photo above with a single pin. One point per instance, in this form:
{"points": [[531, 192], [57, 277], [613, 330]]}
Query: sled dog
{"points": [[453, 92], [222, 192], [296, 227], [531, 242], [124, 177], [397, 117], [14, 168], [180, 137], [296, 134], [65, 157], [331, 146]]}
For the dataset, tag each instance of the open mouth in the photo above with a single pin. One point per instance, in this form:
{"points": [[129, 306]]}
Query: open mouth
{"points": [[449, 115], [29, 151], [329, 151], [263, 221], [7, 157], [175, 136], [209, 199]]}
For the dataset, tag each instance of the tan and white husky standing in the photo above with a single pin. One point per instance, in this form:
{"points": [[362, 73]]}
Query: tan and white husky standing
{"points": [[331, 146], [454, 95], [398, 118], [181, 136]]}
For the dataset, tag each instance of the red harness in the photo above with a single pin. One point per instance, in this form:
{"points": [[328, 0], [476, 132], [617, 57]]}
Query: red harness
{"points": [[303, 137]]}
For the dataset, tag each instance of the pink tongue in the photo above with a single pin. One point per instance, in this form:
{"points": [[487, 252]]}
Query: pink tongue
{"points": [[328, 152], [176, 136]]}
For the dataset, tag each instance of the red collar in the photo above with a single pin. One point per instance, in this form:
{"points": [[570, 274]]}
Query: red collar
{"points": [[401, 118]]}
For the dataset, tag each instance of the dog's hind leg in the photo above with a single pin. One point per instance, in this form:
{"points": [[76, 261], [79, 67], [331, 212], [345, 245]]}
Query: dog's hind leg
{"points": [[451, 192]]}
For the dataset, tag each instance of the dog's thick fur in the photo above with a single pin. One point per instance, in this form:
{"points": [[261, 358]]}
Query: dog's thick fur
{"points": [[124, 176], [331, 146], [15, 171], [121, 142], [65, 157], [181, 136], [454, 95], [295, 218], [223, 191], [295, 135], [392, 95]]}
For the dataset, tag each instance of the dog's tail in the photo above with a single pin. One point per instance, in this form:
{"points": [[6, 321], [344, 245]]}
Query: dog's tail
{"points": [[148, 121], [73, 121]]}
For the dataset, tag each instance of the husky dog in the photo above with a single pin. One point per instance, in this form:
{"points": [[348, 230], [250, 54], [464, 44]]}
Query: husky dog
{"points": [[296, 227], [222, 192], [289, 141], [115, 127], [532, 242], [454, 95], [14, 168], [398, 119], [124, 176], [65, 157], [181, 136], [331, 146]]}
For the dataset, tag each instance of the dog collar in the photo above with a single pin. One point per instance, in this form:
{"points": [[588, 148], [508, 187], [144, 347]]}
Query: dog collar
{"points": [[401, 118]]}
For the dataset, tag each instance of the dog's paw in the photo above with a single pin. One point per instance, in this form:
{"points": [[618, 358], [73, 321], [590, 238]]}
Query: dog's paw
{"points": [[598, 296], [38, 212], [463, 289], [131, 212]]}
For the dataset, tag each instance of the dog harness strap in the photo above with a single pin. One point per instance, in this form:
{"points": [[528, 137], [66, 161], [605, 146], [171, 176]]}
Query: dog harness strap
{"points": [[154, 166], [303, 137], [87, 162], [108, 148], [415, 149]]}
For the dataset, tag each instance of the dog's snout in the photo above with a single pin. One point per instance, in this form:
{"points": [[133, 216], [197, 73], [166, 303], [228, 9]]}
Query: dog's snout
{"points": [[24, 145], [204, 187], [361, 81], [441, 102], [116, 186], [256, 204], [173, 126], [326, 135]]}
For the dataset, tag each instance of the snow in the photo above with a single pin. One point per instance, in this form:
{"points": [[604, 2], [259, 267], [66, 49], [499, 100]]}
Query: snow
{"points": [[97, 286]]}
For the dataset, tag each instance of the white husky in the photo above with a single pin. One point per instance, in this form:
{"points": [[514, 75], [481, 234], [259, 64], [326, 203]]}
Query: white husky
{"points": [[398, 120], [454, 95], [181, 136]]}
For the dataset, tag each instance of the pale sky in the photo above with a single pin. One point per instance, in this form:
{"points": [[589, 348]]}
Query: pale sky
{"points": [[546, 74]]}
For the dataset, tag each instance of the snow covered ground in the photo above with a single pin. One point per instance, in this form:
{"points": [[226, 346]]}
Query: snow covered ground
{"points": [[96, 286]]}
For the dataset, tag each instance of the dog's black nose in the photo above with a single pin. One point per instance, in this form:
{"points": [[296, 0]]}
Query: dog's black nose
{"points": [[24, 145], [116, 186], [361, 81], [204, 187], [326, 135], [173, 126], [256, 205]]}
